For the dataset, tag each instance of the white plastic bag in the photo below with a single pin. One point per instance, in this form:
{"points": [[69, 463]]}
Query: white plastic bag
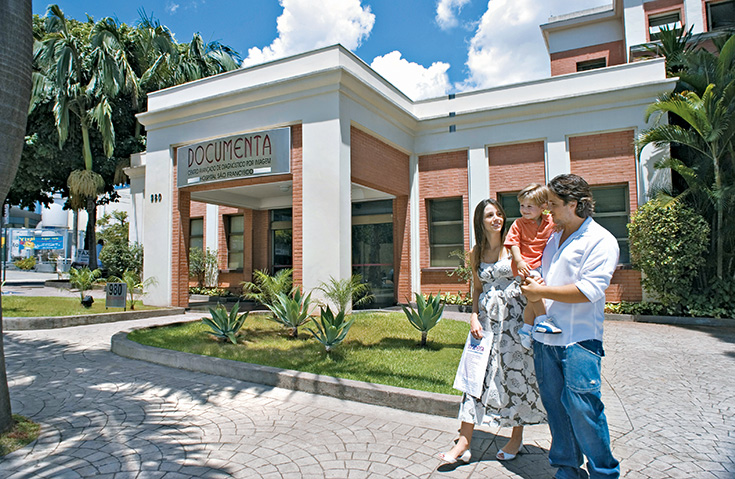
{"points": [[471, 370]]}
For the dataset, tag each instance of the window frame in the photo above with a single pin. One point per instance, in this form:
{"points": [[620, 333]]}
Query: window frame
{"points": [[192, 236], [430, 223], [676, 25], [592, 64], [227, 220], [708, 13]]}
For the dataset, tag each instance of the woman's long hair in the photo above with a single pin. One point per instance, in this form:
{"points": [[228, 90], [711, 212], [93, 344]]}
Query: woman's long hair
{"points": [[481, 240]]}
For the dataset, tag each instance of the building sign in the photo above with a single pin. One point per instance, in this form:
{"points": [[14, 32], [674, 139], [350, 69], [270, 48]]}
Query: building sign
{"points": [[116, 295], [239, 156], [41, 242]]}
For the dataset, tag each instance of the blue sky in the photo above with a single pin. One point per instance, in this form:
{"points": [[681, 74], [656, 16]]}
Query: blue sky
{"points": [[427, 48]]}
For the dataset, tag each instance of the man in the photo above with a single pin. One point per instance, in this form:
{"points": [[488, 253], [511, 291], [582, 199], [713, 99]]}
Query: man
{"points": [[577, 265]]}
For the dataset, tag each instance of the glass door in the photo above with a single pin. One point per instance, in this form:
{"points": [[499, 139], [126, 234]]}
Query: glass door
{"points": [[372, 249]]}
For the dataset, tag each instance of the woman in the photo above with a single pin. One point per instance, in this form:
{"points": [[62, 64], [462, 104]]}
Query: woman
{"points": [[510, 395]]}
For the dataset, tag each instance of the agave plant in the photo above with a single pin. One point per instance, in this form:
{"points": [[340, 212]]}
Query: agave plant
{"points": [[427, 314], [330, 329], [83, 279], [225, 326], [291, 312]]}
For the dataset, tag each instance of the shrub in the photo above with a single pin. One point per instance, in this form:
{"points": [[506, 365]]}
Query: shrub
{"points": [[120, 257], [225, 326], [210, 291], [463, 272], [330, 330], [291, 312], [341, 292], [26, 264], [642, 308], [203, 266], [83, 279], [667, 242], [458, 299], [427, 314], [265, 288]]}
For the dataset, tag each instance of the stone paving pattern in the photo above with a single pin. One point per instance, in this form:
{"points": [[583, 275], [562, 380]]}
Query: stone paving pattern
{"points": [[669, 392]]}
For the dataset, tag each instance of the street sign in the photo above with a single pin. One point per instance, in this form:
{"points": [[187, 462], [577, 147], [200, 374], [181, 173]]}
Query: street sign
{"points": [[116, 295]]}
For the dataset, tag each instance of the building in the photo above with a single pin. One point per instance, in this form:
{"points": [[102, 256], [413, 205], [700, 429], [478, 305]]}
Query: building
{"points": [[318, 163]]}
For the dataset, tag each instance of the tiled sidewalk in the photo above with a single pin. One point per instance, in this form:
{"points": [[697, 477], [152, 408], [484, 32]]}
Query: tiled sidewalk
{"points": [[669, 392]]}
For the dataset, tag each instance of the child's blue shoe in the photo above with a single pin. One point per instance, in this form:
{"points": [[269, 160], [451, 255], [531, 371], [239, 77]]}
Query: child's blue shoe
{"points": [[547, 326]]}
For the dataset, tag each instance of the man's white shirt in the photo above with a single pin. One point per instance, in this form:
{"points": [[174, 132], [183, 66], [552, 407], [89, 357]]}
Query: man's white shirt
{"points": [[587, 259]]}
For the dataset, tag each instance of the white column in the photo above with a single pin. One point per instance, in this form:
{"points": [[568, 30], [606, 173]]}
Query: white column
{"points": [[693, 15], [136, 174], [415, 230], [478, 172], [157, 224], [557, 156], [327, 218], [211, 237]]}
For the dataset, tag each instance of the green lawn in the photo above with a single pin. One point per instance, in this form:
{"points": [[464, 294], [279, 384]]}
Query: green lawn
{"points": [[34, 306], [380, 348]]}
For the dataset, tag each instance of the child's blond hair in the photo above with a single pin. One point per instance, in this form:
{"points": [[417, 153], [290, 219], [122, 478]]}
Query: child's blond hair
{"points": [[534, 192]]}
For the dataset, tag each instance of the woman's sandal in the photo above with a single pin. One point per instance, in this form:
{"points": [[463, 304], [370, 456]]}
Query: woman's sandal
{"points": [[506, 456], [447, 458]]}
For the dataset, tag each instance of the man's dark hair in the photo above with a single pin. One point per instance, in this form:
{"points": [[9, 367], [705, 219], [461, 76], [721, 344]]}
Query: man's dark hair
{"points": [[573, 187]]}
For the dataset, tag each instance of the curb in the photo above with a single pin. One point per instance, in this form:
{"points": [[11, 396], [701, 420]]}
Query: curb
{"points": [[377, 394], [672, 320], [53, 322]]}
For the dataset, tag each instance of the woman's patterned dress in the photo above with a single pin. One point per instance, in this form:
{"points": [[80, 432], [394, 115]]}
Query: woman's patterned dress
{"points": [[510, 394]]}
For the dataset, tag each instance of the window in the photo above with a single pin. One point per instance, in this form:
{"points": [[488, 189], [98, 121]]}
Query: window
{"points": [[511, 206], [611, 212], [591, 64], [670, 20], [196, 233], [446, 231], [234, 229], [721, 15], [282, 239]]}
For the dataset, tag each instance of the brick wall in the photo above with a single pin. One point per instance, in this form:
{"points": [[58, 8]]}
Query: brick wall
{"points": [[441, 175], [566, 62], [180, 204], [378, 165], [298, 204], [513, 167], [609, 159]]}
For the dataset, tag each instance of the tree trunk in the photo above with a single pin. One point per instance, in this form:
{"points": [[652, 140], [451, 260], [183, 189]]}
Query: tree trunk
{"points": [[91, 234], [16, 53]]}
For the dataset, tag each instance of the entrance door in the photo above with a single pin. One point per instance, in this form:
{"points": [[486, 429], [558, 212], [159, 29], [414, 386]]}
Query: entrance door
{"points": [[372, 249], [281, 239]]}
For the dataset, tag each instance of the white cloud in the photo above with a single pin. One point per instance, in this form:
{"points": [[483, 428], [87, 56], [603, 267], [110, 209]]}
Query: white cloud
{"points": [[416, 81], [306, 25], [172, 7], [508, 46], [446, 12]]}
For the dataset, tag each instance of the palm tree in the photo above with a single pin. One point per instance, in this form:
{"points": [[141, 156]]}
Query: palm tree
{"points": [[710, 130], [80, 70], [16, 37]]}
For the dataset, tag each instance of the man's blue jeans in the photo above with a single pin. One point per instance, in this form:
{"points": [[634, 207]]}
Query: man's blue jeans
{"points": [[569, 383]]}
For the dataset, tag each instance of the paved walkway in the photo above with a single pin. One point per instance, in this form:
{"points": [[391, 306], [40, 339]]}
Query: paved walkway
{"points": [[669, 391]]}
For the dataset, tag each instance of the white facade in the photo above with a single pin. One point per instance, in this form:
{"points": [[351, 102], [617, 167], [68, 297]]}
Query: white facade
{"points": [[330, 90]]}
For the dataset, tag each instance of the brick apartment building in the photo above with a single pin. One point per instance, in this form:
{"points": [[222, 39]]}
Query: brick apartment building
{"points": [[375, 183]]}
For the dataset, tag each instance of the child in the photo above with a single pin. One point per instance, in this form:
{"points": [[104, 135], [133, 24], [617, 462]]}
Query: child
{"points": [[526, 239]]}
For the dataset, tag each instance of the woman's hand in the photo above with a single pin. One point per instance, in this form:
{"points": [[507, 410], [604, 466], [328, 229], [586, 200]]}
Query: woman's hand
{"points": [[475, 327]]}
